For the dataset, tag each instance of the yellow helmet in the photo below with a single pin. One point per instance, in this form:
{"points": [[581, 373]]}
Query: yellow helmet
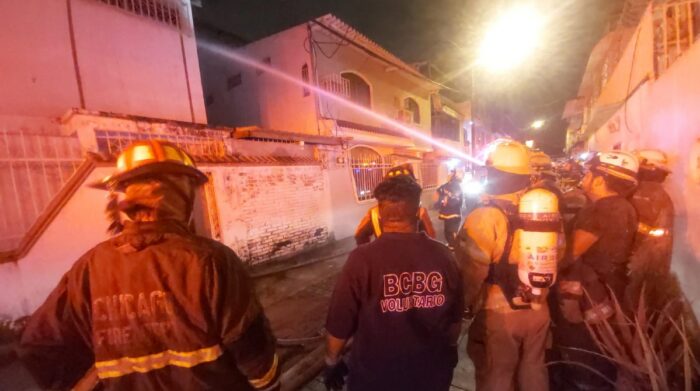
{"points": [[509, 156], [150, 157], [401, 169]]}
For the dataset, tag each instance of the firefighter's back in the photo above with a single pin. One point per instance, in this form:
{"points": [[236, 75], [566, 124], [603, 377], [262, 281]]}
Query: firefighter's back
{"points": [[154, 315]]}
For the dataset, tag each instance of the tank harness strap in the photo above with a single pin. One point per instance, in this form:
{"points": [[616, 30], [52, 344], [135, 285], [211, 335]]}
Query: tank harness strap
{"points": [[376, 224], [503, 273]]}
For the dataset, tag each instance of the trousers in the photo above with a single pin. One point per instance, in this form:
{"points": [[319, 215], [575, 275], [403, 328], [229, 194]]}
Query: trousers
{"points": [[508, 349]]}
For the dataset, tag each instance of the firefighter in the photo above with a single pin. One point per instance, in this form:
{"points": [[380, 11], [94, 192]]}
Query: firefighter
{"points": [[651, 255], [508, 334], [370, 225], [545, 177], [155, 307], [603, 234], [400, 300], [449, 201]]}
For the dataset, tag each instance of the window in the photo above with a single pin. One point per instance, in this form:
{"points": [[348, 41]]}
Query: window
{"points": [[233, 81], [367, 171], [359, 91], [305, 79], [429, 175], [158, 10], [445, 126], [411, 106]]}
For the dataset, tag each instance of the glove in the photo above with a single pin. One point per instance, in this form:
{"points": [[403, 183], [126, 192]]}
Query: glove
{"points": [[334, 376]]}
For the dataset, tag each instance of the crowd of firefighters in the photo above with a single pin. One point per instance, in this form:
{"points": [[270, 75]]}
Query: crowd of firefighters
{"points": [[532, 265]]}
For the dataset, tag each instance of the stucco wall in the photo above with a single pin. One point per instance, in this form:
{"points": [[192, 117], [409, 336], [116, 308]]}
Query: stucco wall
{"points": [[663, 114], [127, 63], [262, 99], [78, 227], [272, 211], [388, 85]]}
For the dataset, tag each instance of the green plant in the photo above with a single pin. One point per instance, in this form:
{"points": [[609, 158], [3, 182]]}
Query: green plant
{"points": [[653, 348]]}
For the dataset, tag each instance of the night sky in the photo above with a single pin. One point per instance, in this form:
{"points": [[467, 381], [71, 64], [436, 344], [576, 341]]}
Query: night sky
{"points": [[445, 32]]}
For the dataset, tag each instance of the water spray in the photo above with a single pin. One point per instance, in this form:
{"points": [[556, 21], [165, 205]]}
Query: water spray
{"points": [[245, 60]]}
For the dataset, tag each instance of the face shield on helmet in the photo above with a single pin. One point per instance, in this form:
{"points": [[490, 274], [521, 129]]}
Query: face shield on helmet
{"points": [[159, 181]]}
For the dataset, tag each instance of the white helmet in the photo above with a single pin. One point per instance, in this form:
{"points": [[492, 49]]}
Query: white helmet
{"points": [[509, 156], [621, 165], [652, 159]]}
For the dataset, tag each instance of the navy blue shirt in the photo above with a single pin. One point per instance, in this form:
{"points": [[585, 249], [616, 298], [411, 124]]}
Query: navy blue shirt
{"points": [[398, 297]]}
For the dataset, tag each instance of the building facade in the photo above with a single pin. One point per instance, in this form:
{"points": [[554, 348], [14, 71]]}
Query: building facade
{"points": [[136, 57], [642, 95]]}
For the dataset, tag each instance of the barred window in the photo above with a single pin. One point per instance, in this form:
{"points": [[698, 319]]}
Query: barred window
{"points": [[429, 175], [158, 10], [367, 171]]}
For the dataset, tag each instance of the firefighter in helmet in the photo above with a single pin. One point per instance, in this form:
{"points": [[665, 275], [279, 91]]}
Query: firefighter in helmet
{"points": [[651, 255], [603, 234], [508, 335], [155, 307], [450, 199], [370, 225]]}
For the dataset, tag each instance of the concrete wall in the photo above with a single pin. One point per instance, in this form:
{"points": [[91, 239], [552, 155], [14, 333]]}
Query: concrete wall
{"points": [[388, 86], [126, 63], [663, 114], [80, 225], [272, 212], [262, 99], [635, 64]]}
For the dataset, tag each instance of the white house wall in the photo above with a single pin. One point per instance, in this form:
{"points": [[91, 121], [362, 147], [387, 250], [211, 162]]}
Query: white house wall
{"points": [[663, 114], [263, 99], [388, 85], [127, 63]]}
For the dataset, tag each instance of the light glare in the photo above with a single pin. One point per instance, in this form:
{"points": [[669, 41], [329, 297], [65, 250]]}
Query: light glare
{"points": [[510, 39]]}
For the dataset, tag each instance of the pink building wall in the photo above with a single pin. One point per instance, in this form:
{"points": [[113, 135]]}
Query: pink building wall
{"points": [[262, 99], [664, 114], [126, 63]]}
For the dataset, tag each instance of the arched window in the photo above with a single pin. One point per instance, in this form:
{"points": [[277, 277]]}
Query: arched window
{"points": [[358, 89], [367, 171], [410, 105]]}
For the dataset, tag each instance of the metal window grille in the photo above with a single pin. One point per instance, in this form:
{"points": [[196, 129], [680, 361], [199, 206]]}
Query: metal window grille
{"points": [[336, 85], [159, 10], [368, 169], [33, 169], [676, 23], [428, 175], [205, 143]]}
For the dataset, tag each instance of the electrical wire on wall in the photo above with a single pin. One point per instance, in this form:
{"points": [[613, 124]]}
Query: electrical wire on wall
{"points": [[629, 81]]}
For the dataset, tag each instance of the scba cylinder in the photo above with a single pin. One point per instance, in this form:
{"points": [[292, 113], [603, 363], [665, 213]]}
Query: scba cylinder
{"points": [[539, 235]]}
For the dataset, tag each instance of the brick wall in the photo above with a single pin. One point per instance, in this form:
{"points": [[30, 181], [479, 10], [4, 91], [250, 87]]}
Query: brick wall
{"points": [[270, 212]]}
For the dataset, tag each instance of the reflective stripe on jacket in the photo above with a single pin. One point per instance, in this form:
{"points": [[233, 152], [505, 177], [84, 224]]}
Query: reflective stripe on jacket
{"points": [[153, 308]]}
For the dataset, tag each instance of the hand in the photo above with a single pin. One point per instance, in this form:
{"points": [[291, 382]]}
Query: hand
{"points": [[334, 376]]}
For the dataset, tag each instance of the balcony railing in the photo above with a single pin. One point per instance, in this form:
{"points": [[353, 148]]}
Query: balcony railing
{"points": [[676, 25]]}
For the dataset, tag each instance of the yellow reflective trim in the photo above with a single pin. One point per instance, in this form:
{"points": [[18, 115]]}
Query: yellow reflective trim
{"points": [[127, 365], [267, 377], [374, 213]]}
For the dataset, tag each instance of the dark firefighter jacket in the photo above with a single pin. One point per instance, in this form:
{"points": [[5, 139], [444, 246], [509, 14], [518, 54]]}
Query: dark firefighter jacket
{"points": [[653, 242], [155, 308], [450, 200]]}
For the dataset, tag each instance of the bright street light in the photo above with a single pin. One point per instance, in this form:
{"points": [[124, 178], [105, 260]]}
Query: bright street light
{"points": [[510, 39], [538, 124], [530, 143]]}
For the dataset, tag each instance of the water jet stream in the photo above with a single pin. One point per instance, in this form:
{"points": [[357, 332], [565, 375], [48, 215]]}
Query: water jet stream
{"points": [[245, 60]]}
